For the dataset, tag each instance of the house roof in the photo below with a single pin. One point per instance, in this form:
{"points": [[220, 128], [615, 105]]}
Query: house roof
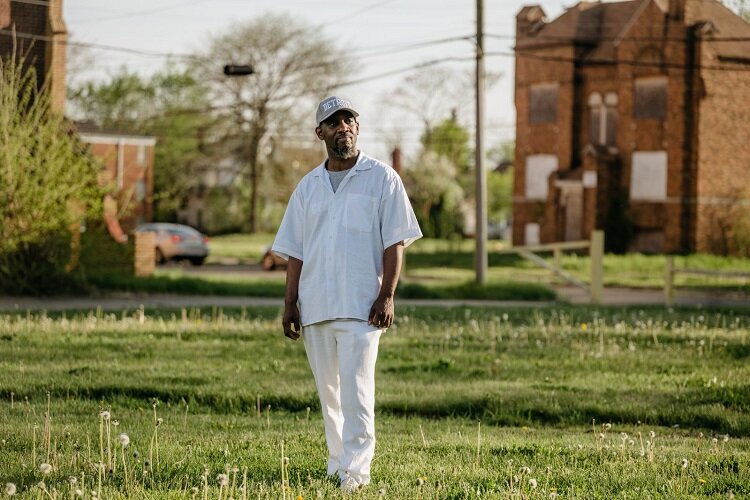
{"points": [[600, 26]]}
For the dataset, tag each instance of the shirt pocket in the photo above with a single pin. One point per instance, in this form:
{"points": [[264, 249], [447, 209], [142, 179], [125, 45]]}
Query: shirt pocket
{"points": [[360, 211]]}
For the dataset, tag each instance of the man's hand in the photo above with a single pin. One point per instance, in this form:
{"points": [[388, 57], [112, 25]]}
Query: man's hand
{"points": [[381, 312], [291, 319]]}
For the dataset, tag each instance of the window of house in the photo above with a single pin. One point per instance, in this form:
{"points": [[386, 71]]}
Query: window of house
{"points": [[538, 169], [543, 103], [141, 155], [140, 190], [648, 176], [651, 97], [603, 119]]}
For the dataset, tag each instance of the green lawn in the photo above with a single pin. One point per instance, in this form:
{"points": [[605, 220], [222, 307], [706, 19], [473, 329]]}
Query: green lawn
{"points": [[586, 402]]}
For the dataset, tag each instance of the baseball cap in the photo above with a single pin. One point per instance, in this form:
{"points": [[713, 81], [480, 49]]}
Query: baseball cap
{"points": [[331, 105]]}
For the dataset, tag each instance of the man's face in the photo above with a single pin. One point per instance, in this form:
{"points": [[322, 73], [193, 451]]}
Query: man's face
{"points": [[339, 131]]}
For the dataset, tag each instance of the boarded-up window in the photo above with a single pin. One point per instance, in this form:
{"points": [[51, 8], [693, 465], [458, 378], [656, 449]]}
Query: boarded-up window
{"points": [[543, 103], [648, 176], [603, 119], [4, 13], [651, 97], [531, 234], [538, 168]]}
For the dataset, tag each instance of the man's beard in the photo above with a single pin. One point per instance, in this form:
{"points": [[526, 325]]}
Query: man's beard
{"points": [[344, 152]]}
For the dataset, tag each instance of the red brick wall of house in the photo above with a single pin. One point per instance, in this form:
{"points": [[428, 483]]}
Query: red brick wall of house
{"points": [[723, 184], [133, 211], [545, 138]]}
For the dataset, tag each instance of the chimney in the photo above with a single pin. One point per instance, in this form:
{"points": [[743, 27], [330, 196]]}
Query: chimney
{"points": [[396, 155], [529, 20]]}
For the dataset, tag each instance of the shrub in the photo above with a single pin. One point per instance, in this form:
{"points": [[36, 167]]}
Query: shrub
{"points": [[47, 183]]}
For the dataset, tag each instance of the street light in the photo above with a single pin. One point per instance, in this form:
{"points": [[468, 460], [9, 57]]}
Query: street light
{"points": [[238, 70]]}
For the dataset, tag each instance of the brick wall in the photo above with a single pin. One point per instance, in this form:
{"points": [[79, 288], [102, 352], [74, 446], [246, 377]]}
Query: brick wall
{"points": [[46, 57]]}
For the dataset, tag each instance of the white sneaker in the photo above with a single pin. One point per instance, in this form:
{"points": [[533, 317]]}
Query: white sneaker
{"points": [[349, 485]]}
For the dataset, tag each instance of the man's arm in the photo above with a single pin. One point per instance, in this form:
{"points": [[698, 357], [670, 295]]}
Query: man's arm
{"points": [[291, 311], [381, 312]]}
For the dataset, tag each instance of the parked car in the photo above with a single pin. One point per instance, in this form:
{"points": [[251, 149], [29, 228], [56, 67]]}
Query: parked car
{"points": [[177, 242], [271, 261]]}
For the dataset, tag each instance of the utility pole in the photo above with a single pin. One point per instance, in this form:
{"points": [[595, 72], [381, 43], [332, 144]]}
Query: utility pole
{"points": [[480, 231]]}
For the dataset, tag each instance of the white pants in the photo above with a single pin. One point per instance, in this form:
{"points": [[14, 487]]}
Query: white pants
{"points": [[342, 356]]}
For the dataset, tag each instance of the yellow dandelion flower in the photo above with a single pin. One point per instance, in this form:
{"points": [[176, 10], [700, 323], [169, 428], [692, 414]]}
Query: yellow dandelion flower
{"points": [[584, 327], [702, 481]]}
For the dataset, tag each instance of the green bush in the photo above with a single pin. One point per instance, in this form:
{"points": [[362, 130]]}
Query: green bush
{"points": [[47, 183]]}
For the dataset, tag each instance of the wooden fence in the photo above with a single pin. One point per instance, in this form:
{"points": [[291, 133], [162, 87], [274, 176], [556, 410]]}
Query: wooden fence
{"points": [[671, 270], [595, 246]]}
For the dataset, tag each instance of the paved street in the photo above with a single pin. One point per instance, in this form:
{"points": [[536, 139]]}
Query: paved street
{"points": [[573, 295]]}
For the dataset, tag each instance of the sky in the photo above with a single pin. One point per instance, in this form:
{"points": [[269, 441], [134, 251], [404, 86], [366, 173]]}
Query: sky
{"points": [[362, 26]]}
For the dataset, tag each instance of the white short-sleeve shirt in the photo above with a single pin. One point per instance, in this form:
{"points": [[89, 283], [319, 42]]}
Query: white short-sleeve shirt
{"points": [[340, 237]]}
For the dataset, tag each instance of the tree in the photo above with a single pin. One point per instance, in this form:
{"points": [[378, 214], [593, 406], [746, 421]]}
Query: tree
{"points": [[47, 184], [294, 67], [170, 105], [500, 181]]}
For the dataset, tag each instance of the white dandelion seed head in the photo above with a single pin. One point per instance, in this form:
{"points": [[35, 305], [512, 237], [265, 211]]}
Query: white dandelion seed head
{"points": [[714, 441], [631, 442], [623, 436], [10, 489], [725, 438], [607, 426], [652, 434], [124, 439], [532, 483], [285, 461], [72, 480], [79, 493], [104, 415], [115, 423], [41, 486], [685, 463], [553, 495], [420, 481], [525, 470], [45, 468], [159, 421], [194, 490], [601, 435], [222, 479], [381, 492]]}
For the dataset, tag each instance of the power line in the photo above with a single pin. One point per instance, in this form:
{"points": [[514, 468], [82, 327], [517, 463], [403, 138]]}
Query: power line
{"points": [[361, 11], [136, 13], [613, 62], [593, 39]]}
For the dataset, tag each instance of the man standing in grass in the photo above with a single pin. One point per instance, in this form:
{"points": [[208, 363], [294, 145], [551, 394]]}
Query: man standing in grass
{"points": [[344, 232]]}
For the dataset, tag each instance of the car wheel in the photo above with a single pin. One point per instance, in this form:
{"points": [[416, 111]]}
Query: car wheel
{"points": [[160, 257], [197, 261]]}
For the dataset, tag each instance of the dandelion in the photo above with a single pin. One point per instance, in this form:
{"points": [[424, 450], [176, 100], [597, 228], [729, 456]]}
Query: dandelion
{"points": [[10, 489], [652, 434], [381, 492], [584, 327], [78, 493], [525, 470], [223, 479], [685, 463], [41, 486], [115, 423], [553, 495], [104, 415], [532, 483], [159, 421], [45, 468], [725, 438], [607, 426], [285, 461], [72, 480], [300, 497], [124, 439], [715, 441], [702, 481], [420, 481]]}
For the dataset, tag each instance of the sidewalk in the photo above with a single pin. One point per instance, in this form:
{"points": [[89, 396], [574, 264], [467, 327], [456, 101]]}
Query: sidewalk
{"points": [[566, 294]]}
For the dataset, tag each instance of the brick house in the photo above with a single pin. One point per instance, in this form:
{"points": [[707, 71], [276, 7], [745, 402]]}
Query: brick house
{"points": [[633, 117], [41, 37], [128, 166]]}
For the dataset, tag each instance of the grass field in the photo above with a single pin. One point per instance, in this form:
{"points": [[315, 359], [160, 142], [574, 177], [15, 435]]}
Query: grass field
{"points": [[490, 403]]}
